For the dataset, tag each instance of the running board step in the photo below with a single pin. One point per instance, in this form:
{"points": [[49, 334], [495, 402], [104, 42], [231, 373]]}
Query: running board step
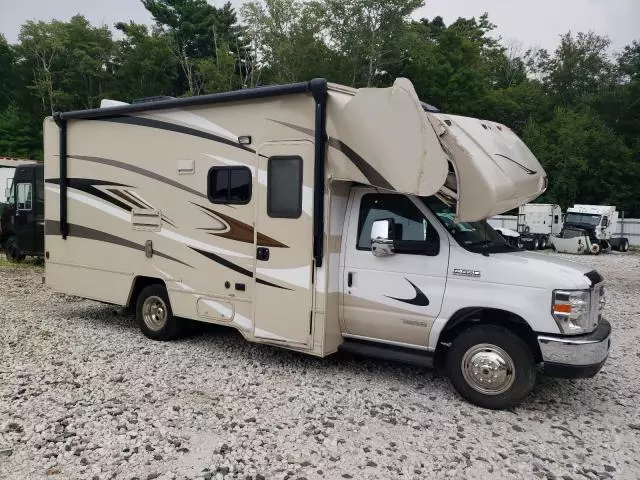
{"points": [[387, 352]]}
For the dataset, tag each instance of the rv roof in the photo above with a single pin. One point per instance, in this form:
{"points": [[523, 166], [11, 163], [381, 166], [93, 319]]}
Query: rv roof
{"points": [[118, 108], [14, 162]]}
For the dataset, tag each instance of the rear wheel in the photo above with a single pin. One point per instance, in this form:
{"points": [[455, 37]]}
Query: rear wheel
{"points": [[154, 315], [624, 245], [491, 367], [595, 248], [12, 250], [535, 244], [543, 243]]}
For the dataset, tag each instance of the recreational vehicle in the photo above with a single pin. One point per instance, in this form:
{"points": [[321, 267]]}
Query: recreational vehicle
{"points": [[319, 218]]}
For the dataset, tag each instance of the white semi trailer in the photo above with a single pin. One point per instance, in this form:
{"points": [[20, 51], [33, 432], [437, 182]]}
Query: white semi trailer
{"points": [[537, 222]]}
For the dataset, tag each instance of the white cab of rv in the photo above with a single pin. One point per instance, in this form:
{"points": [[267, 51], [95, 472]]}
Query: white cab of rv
{"points": [[537, 222], [319, 218]]}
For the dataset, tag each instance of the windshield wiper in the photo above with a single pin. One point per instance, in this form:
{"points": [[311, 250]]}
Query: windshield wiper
{"points": [[482, 243]]}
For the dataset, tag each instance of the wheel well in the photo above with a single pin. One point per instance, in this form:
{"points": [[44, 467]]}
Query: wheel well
{"points": [[139, 284], [469, 317]]}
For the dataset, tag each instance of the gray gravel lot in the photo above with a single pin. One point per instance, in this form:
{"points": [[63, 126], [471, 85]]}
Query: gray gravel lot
{"points": [[84, 395]]}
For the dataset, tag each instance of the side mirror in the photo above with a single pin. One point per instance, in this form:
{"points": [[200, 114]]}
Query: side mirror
{"points": [[382, 237]]}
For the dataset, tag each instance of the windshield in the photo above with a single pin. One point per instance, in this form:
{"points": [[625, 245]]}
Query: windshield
{"points": [[473, 236], [583, 218]]}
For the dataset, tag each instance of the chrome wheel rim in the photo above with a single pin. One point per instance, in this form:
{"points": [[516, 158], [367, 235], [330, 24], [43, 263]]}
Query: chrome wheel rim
{"points": [[154, 313], [488, 369]]}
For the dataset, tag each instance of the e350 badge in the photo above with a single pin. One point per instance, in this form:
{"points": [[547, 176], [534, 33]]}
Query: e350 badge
{"points": [[466, 273]]}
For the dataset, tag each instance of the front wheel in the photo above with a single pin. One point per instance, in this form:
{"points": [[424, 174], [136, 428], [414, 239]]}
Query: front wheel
{"points": [[12, 250], [491, 367], [154, 315]]}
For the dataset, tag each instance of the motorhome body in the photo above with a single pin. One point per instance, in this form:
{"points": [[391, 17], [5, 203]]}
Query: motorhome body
{"points": [[537, 222], [306, 216]]}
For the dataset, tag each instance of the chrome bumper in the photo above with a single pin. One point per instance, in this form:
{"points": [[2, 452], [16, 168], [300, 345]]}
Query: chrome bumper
{"points": [[578, 356]]}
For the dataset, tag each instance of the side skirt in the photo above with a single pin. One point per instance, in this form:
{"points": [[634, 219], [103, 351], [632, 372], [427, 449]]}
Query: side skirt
{"points": [[384, 351]]}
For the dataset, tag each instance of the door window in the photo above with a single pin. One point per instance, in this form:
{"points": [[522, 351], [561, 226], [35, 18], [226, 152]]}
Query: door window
{"points": [[284, 187], [24, 196], [412, 231]]}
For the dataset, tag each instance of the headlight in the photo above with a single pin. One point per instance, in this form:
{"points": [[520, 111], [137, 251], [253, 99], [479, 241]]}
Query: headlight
{"points": [[570, 309]]}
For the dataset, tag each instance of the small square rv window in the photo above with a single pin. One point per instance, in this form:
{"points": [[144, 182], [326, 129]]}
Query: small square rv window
{"points": [[230, 185], [284, 187]]}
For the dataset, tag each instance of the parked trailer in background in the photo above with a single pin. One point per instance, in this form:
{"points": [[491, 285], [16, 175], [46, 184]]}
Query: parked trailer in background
{"points": [[590, 229], [537, 222]]}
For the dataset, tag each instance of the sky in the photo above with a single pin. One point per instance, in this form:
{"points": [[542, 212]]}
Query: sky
{"points": [[536, 23]]}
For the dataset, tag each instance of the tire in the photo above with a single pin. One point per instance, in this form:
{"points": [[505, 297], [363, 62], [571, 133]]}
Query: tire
{"points": [[595, 248], [12, 250], [491, 346], [154, 315], [624, 245], [535, 245], [543, 243]]}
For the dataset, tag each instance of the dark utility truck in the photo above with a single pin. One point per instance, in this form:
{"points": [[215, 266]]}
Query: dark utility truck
{"points": [[22, 221]]}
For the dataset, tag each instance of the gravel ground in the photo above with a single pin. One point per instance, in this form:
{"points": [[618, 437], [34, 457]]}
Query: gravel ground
{"points": [[84, 395]]}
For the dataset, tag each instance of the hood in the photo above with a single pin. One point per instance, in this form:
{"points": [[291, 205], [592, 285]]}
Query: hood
{"points": [[529, 269], [494, 170]]}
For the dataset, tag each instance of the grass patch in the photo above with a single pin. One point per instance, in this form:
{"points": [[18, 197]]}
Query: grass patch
{"points": [[29, 262]]}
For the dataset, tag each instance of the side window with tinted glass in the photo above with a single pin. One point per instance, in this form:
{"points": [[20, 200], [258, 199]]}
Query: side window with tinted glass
{"points": [[411, 232], [24, 196], [230, 185], [284, 187]]}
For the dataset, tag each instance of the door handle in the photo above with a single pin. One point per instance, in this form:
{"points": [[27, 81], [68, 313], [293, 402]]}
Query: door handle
{"points": [[262, 253], [349, 279]]}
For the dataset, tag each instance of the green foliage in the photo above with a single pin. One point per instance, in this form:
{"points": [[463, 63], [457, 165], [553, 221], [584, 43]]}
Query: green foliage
{"points": [[578, 107], [144, 64]]}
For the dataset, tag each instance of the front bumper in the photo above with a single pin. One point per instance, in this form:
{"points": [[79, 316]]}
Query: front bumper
{"points": [[579, 356]]}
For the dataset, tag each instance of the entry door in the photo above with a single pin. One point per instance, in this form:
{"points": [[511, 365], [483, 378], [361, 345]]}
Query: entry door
{"points": [[394, 298], [25, 221], [284, 243]]}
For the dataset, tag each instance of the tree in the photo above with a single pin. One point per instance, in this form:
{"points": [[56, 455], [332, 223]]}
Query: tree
{"points": [[285, 39], [196, 29], [585, 160], [70, 62], [580, 67], [7, 74], [144, 64]]}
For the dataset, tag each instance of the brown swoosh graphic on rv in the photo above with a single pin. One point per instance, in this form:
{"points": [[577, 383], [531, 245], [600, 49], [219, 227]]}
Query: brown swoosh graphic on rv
{"points": [[236, 268], [370, 173], [238, 231], [172, 127], [139, 171], [52, 227]]}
